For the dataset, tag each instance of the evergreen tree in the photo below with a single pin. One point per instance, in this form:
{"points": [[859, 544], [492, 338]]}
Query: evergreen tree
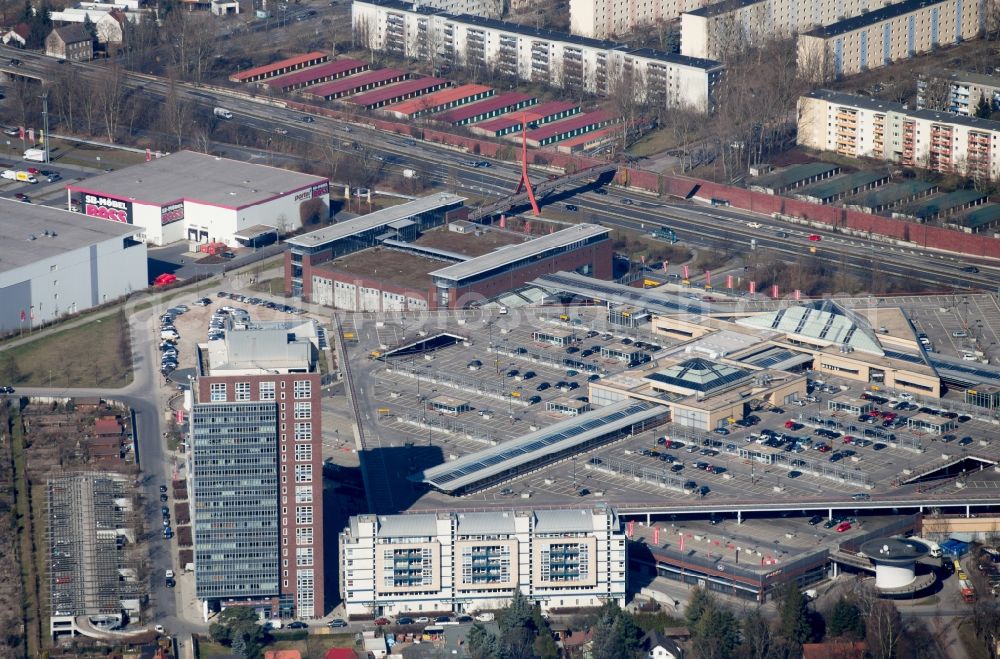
{"points": [[615, 633], [482, 643], [794, 615], [716, 634], [89, 26], [845, 620], [984, 109], [697, 604]]}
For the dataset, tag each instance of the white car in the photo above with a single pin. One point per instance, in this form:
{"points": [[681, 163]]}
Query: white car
{"points": [[754, 225], [169, 574], [159, 629], [422, 619], [485, 617]]}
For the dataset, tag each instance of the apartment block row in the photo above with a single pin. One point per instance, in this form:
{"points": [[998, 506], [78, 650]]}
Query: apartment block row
{"points": [[552, 58], [463, 562], [958, 91], [606, 19], [862, 127], [714, 29], [892, 33]]}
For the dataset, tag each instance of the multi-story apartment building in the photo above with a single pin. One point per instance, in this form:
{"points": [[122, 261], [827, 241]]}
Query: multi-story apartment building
{"points": [[879, 37], [256, 470], [543, 56], [449, 561], [958, 91], [606, 19], [859, 126], [713, 29]]}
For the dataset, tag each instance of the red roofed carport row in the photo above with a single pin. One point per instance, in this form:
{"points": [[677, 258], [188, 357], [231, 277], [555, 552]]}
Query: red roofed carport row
{"points": [[399, 92], [317, 74], [482, 110], [578, 125], [440, 100], [280, 67], [535, 116], [356, 84]]}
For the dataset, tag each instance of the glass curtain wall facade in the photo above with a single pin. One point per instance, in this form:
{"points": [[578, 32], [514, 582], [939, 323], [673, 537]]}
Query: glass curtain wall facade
{"points": [[236, 523]]}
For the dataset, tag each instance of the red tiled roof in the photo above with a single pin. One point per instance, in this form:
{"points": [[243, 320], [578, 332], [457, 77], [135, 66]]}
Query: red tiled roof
{"points": [[351, 83], [274, 66], [491, 104], [568, 124], [305, 76], [435, 99], [389, 92]]}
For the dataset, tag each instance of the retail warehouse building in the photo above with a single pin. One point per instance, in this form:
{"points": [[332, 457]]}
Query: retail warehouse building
{"points": [[203, 198], [404, 274], [54, 265]]}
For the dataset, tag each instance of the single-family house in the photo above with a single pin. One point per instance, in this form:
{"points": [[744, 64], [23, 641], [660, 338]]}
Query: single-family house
{"points": [[71, 42]]}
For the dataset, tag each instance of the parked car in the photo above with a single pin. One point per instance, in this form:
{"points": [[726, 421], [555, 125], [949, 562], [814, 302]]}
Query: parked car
{"points": [[337, 622], [842, 527]]}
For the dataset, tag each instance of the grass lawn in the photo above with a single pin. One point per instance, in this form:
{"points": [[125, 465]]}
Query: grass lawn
{"points": [[85, 155], [96, 354], [208, 649], [274, 286], [653, 143]]}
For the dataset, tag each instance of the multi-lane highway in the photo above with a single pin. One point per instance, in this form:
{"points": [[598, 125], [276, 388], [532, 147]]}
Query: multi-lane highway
{"points": [[698, 225]]}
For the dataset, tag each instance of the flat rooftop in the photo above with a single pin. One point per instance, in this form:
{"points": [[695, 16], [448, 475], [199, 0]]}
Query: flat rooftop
{"points": [[854, 100], [389, 265], [981, 216], [468, 244], [568, 236], [372, 220], [197, 177], [263, 347], [892, 193], [793, 174], [943, 203], [958, 119], [871, 18], [841, 184], [67, 231]]}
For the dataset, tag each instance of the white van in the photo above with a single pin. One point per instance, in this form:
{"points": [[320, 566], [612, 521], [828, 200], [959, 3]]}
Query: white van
{"points": [[169, 334]]}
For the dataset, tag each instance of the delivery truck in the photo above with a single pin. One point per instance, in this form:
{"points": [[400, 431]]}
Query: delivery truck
{"points": [[14, 175], [223, 113], [35, 155]]}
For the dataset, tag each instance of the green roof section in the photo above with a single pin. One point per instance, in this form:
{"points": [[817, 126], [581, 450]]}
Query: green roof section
{"points": [[791, 175], [847, 184], [893, 193], [981, 217], [932, 208]]}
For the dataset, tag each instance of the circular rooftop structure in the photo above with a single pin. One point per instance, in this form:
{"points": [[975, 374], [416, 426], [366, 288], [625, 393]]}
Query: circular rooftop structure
{"points": [[894, 560]]}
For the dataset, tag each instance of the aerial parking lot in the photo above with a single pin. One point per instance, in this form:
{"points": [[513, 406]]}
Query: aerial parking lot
{"points": [[431, 388]]}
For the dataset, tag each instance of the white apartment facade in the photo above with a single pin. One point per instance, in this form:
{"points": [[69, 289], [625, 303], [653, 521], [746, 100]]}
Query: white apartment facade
{"points": [[862, 127], [895, 32], [963, 89], [463, 562], [713, 29], [606, 19], [551, 58]]}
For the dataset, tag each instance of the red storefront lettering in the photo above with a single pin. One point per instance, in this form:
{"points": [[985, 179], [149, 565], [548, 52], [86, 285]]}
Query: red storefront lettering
{"points": [[107, 213]]}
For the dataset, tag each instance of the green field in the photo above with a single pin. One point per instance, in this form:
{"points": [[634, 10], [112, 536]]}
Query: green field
{"points": [[95, 354]]}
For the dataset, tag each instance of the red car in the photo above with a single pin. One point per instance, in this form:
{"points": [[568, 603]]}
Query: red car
{"points": [[34, 170], [815, 238], [791, 425], [385, 621], [825, 448], [843, 526]]}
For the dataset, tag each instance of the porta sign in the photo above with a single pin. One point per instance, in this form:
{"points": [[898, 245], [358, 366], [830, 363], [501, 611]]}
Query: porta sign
{"points": [[108, 208]]}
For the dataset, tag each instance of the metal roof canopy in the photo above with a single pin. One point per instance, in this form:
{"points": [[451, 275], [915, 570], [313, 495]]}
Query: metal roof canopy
{"points": [[256, 231], [537, 447], [505, 255]]}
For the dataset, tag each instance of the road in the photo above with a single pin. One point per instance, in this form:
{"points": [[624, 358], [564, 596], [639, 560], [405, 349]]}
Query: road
{"points": [[699, 226]]}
